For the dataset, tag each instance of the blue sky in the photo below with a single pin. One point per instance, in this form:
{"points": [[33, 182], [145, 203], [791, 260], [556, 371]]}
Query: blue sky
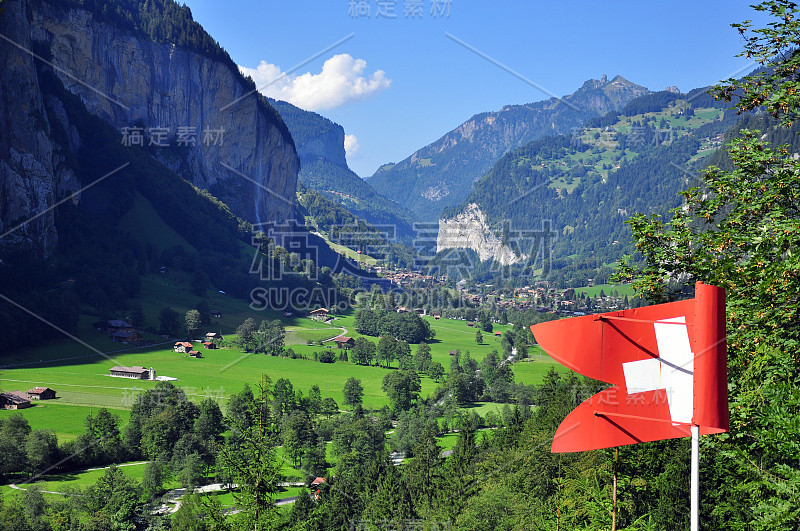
{"points": [[397, 84]]}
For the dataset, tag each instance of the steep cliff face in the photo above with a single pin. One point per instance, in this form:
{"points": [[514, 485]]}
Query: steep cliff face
{"points": [[212, 130], [28, 183], [315, 137], [470, 230]]}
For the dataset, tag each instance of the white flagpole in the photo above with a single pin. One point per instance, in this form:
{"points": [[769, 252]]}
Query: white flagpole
{"points": [[695, 484]]}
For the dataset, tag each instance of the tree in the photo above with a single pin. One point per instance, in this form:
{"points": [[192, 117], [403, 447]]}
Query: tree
{"points": [[193, 323], [329, 407], [363, 351], [153, 480], [403, 355], [436, 371], [41, 449], [314, 399], [422, 357], [169, 322], [386, 350], [402, 388], [486, 323], [245, 331], [478, 337], [353, 392]]}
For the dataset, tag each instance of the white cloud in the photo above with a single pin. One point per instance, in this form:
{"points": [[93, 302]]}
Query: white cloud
{"points": [[351, 146], [341, 81]]}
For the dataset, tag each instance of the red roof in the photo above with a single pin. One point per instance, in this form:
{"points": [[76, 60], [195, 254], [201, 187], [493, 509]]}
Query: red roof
{"points": [[318, 481], [342, 339], [37, 390], [184, 343]]}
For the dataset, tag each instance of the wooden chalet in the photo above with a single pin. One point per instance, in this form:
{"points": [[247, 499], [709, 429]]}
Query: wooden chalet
{"points": [[320, 314], [41, 393], [344, 342], [183, 347], [212, 336], [14, 400]]}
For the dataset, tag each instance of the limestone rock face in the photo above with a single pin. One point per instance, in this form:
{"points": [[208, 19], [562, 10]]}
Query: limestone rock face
{"points": [[227, 138], [469, 230]]}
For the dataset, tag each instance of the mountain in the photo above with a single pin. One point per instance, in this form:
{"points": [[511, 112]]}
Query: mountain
{"points": [[320, 145], [150, 72], [442, 173], [581, 188]]}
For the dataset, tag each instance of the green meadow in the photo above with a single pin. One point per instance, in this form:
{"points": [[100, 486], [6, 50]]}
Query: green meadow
{"points": [[594, 291], [81, 378]]}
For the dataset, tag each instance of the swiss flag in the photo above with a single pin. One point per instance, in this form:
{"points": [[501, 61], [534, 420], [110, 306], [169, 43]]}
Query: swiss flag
{"points": [[667, 363]]}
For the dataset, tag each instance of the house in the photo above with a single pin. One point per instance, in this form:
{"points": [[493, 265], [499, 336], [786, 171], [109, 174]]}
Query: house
{"points": [[136, 372], [122, 336], [453, 352], [344, 342], [215, 313], [209, 345], [470, 324], [436, 316], [211, 336], [498, 334], [183, 346], [315, 485], [14, 400], [195, 354], [41, 393], [320, 314]]}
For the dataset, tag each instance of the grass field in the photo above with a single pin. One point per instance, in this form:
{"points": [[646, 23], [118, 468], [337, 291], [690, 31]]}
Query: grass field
{"points": [[67, 420], [622, 289], [83, 383]]}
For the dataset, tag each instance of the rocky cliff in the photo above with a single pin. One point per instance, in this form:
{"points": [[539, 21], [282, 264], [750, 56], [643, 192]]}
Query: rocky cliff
{"points": [[470, 230], [196, 113]]}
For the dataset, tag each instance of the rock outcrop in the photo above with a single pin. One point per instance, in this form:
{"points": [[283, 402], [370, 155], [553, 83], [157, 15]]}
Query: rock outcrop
{"points": [[469, 230]]}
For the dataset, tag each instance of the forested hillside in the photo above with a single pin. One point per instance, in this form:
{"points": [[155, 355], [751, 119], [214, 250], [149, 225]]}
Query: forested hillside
{"points": [[586, 185], [320, 145]]}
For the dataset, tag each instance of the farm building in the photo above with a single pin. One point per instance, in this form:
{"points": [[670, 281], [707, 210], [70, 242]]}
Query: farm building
{"points": [[211, 336], [183, 347], [320, 314], [344, 342], [498, 334], [136, 372], [209, 345], [215, 313], [195, 354], [41, 393], [14, 400]]}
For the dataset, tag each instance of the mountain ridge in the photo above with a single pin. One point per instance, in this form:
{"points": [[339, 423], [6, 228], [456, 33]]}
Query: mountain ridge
{"points": [[441, 174]]}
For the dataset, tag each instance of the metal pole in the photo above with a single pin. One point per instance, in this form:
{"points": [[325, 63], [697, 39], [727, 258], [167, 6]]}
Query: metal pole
{"points": [[614, 493], [695, 484]]}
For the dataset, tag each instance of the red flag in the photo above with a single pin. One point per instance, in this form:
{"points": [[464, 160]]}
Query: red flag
{"points": [[667, 362]]}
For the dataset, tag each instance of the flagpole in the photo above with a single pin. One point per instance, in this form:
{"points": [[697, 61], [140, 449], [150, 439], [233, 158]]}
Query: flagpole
{"points": [[695, 484]]}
